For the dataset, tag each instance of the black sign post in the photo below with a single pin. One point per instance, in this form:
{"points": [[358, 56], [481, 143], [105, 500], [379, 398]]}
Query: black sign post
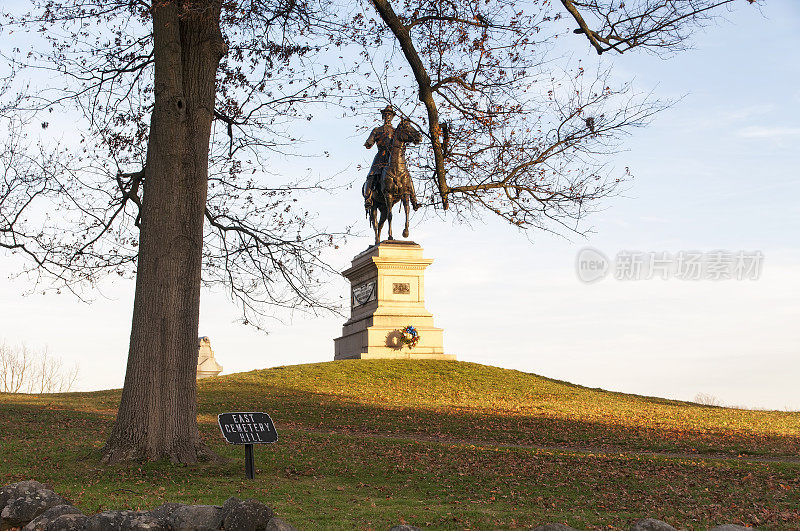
{"points": [[249, 462], [247, 429]]}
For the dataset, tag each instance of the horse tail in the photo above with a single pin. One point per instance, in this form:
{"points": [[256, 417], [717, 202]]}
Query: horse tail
{"points": [[368, 202]]}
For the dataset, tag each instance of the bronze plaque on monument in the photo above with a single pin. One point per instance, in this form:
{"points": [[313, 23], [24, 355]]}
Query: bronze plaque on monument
{"points": [[363, 293], [401, 288]]}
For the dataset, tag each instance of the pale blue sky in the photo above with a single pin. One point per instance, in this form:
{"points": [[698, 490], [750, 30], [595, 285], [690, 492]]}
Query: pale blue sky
{"points": [[717, 170]]}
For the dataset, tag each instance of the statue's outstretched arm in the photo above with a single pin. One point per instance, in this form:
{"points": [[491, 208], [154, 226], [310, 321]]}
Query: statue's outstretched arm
{"points": [[371, 140]]}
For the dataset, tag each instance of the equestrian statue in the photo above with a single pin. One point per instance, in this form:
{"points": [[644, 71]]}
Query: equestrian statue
{"points": [[388, 181]]}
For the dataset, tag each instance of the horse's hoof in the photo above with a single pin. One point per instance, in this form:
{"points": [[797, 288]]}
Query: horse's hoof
{"points": [[405, 233], [390, 238]]}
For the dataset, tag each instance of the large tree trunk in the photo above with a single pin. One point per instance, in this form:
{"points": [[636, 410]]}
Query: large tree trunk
{"points": [[157, 416]]}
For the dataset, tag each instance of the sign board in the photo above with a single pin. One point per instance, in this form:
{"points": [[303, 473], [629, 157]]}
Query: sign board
{"points": [[247, 428]]}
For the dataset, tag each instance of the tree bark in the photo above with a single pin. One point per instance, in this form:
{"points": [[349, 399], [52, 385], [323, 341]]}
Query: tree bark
{"points": [[158, 413]]}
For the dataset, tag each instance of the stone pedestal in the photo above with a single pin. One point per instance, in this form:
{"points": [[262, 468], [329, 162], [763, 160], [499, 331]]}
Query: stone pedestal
{"points": [[387, 293]]}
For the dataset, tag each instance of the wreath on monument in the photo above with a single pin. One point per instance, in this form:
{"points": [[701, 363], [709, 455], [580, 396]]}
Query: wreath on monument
{"points": [[409, 336]]}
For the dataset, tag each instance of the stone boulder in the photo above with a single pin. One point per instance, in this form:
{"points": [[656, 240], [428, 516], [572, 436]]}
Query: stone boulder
{"points": [[165, 510], [43, 520], [31, 505], [248, 514], [15, 490], [277, 524], [184, 517], [125, 520], [65, 522], [651, 524], [27, 504]]}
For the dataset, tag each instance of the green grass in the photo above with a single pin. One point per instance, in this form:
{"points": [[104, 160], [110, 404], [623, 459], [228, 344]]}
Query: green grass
{"points": [[368, 444]]}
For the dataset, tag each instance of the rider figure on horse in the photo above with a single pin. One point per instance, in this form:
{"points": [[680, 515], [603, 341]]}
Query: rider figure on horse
{"points": [[382, 136]]}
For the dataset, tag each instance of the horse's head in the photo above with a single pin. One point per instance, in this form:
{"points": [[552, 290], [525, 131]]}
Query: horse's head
{"points": [[407, 133]]}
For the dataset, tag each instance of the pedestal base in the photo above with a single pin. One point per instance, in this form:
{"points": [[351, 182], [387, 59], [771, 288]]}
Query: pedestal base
{"points": [[387, 294], [405, 355]]}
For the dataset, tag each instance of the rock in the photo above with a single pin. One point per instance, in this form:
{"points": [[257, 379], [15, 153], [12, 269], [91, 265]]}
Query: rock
{"points": [[651, 524], [405, 527], [179, 517], [125, 520], [31, 504], [17, 489], [195, 517], [41, 521], [164, 511], [235, 514], [248, 514], [276, 524], [27, 505], [553, 527], [66, 522], [730, 527]]}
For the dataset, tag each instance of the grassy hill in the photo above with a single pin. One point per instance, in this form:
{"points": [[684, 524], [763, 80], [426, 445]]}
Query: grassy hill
{"points": [[368, 444]]}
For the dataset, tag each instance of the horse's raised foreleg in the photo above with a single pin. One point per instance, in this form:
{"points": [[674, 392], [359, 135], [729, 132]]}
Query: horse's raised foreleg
{"points": [[405, 206], [413, 194]]}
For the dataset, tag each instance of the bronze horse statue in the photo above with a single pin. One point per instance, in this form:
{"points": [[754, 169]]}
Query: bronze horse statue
{"points": [[394, 184]]}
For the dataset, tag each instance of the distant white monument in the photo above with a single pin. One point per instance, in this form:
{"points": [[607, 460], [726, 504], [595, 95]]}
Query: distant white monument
{"points": [[206, 364]]}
